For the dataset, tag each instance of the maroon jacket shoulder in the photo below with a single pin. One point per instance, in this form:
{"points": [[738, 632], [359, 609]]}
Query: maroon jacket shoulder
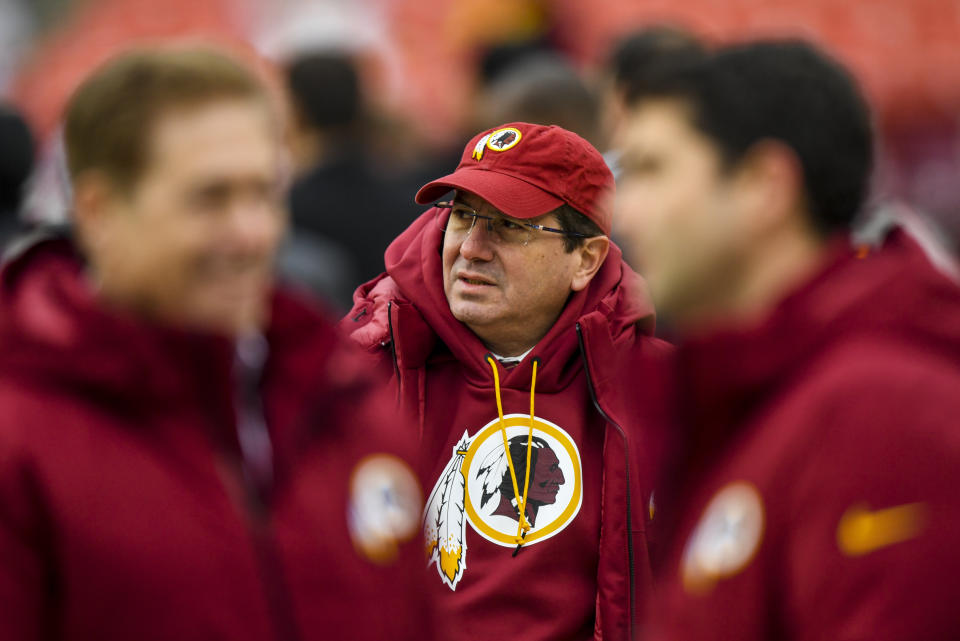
{"points": [[827, 433]]}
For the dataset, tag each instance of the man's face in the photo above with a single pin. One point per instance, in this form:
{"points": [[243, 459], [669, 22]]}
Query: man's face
{"points": [[193, 241], [547, 478], [501, 291], [677, 209]]}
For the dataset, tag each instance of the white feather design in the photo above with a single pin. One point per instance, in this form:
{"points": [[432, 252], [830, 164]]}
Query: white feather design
{"points": [[478, 149], [490, 474], [444, 521]]}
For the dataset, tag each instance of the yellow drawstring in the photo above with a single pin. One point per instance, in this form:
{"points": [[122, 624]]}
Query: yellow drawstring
{"points": [[523, 525], [522, 530]]}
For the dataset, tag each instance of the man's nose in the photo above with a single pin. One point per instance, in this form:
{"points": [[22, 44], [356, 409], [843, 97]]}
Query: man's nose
{"points": [[255, 226], [478, 245]]}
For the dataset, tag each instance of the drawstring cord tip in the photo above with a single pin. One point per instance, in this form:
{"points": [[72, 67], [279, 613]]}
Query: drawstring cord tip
{"points": [[519, 545]]}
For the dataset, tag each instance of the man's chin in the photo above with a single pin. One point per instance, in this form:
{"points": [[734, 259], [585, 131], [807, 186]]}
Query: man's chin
{"points": [[472, 313], [234, 316]]}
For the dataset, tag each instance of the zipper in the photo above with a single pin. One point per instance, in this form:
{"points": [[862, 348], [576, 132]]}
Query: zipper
{"points": [[271, 575], [250, 418], [393, 343], [626, 456]]}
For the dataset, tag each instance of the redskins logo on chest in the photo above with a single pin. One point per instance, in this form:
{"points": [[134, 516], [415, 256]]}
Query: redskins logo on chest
{"points": [[487, 481]]}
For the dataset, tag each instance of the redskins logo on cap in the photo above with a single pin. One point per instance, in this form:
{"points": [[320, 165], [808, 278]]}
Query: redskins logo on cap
{"points": [[476, 488], [499, 140]]}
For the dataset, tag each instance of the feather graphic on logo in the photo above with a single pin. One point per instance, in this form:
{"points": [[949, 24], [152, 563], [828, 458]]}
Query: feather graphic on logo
{"points": [[481, 145], [490, 474], [444, 522]]}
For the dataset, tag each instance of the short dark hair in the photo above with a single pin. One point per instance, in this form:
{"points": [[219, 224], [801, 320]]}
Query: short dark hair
{"points": [[110, 117], [572, 220], [641, 52], [325, 87], [786, 91]]}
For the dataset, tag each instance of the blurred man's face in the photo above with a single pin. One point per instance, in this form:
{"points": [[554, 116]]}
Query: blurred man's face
{"points": [[193, 241], [677, 209]]}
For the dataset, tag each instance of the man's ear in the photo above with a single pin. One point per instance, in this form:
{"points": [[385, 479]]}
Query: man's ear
{"points": [[592, 254], [95, 198], [771, 186]]}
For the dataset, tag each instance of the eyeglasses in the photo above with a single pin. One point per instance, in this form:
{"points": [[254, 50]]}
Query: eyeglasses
{"points": [[502, 230]]}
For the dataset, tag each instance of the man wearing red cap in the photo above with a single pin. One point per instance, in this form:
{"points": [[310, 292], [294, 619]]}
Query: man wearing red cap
{"points": [[503, 314]]}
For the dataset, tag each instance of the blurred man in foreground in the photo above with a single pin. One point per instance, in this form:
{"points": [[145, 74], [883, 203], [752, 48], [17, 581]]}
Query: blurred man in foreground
{"points": [[813, 492], [186, 453]]}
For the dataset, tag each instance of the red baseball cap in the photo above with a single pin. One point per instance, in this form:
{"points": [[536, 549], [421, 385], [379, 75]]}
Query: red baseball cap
{"points": [[528, 170]]}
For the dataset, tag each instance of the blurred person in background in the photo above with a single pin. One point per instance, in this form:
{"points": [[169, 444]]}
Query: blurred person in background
{"points": [[811, 493], [16, 165], [542, 89], [634, 57], [506, 316], [187, 452], [338, 183]]}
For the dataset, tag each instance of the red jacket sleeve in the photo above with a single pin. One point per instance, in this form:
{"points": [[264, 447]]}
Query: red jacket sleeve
{"points": [[874, 551]]}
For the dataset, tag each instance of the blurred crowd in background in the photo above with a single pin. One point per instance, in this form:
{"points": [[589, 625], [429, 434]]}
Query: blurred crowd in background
{"points": [[382, 94]]}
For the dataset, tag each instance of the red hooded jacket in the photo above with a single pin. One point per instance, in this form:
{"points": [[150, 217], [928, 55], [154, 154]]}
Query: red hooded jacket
{"points": [[816, 493], [124, 513], [583, 564]]}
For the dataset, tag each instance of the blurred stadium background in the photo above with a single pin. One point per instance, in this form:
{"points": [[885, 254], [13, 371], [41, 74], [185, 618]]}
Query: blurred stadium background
{"points": [[423, 65]]}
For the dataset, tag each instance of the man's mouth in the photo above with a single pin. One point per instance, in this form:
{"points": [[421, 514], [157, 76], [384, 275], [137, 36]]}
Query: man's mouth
{"points": [[474, 280]]}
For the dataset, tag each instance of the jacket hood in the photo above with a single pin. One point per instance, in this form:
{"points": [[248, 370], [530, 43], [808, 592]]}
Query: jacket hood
{"points": [[891, 294], [616, 293]]}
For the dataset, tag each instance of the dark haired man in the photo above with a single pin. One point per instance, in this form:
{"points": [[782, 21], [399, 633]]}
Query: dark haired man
{"points": [[812, 493], [503, 315], [185, 451]]}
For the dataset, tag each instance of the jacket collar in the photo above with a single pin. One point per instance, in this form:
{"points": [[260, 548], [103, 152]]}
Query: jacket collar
{"points": [[892, 293], [414, 264]]}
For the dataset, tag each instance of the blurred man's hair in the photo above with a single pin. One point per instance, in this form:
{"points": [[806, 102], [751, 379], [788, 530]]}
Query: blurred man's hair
{"points": [[110, 117], [643, 52], [544, 89], [325, 88], [785, 91]]}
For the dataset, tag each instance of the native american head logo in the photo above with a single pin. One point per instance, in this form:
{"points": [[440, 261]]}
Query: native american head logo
{"points": [[499, 140], [477, 487], [545, 477], [502, 139]]}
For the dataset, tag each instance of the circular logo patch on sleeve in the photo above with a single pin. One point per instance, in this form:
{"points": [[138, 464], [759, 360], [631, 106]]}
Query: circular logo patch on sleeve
{"points": [[384, 509], [726, 539]]}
